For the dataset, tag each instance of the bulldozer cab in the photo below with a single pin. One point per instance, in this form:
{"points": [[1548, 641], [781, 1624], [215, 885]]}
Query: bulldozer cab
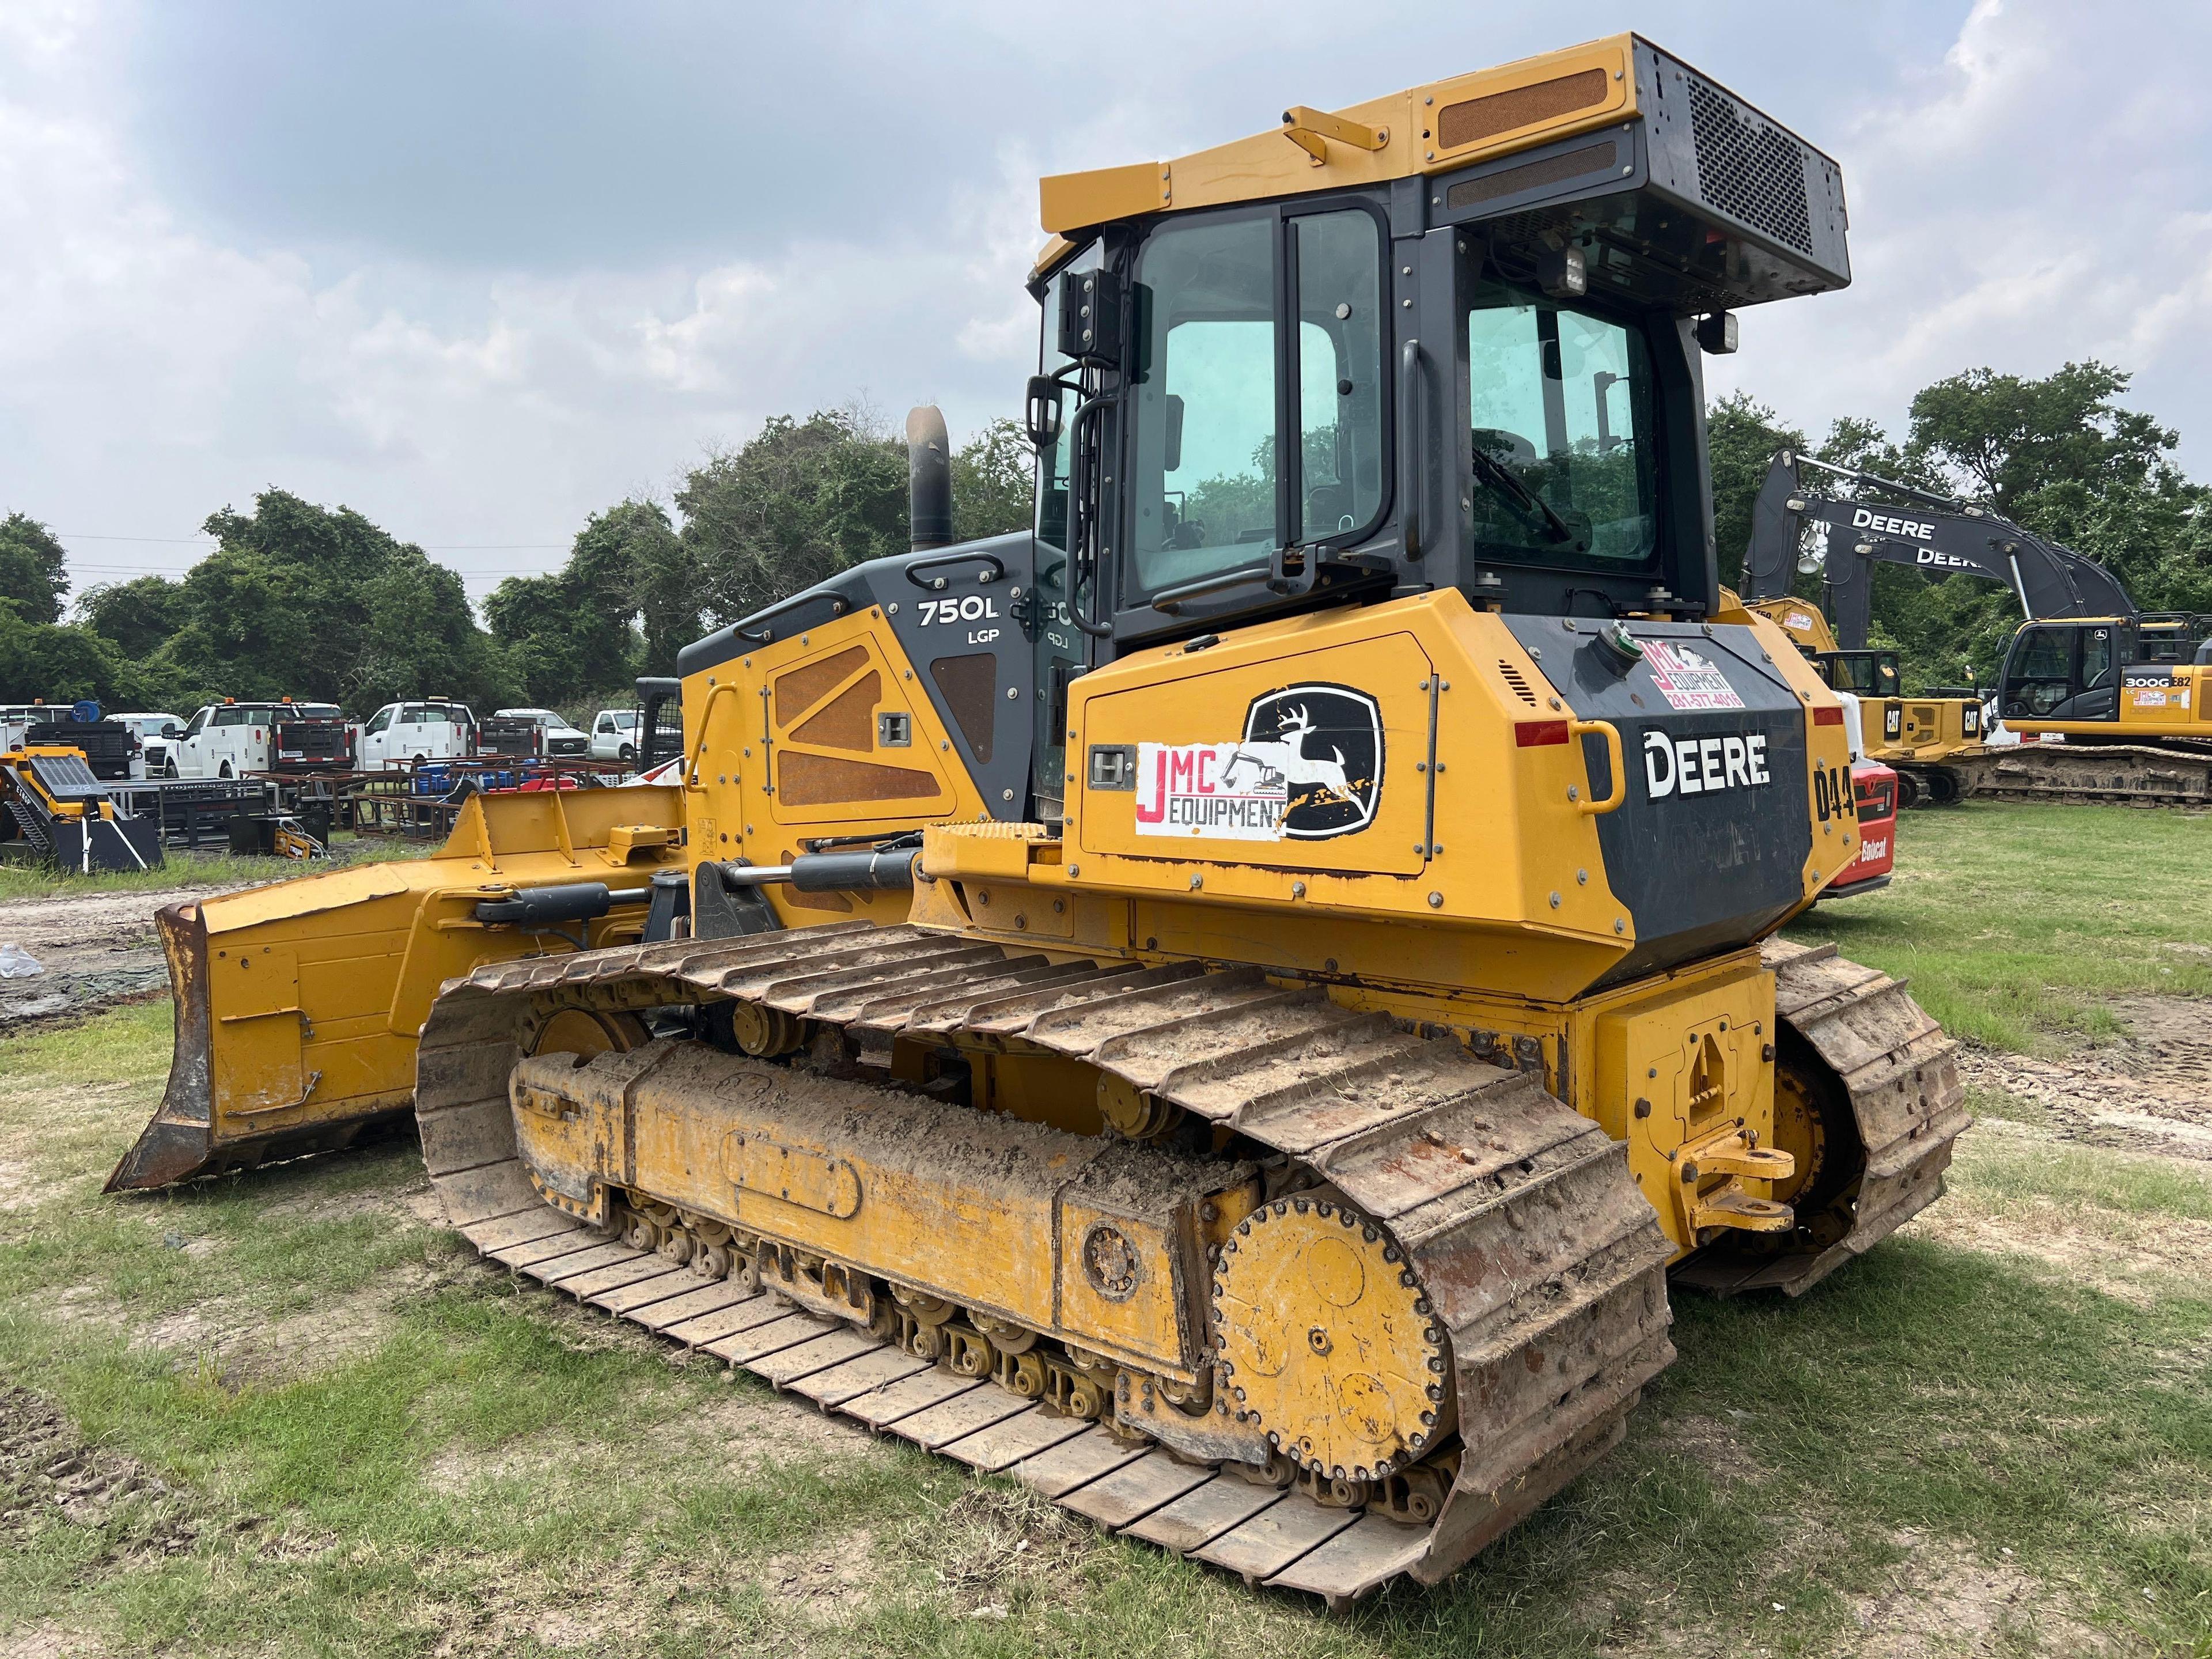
{"points": [[1322, 367]]}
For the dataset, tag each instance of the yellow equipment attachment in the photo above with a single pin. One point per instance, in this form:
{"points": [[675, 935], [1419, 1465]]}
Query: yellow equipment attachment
{"points": [[298, 1004]]}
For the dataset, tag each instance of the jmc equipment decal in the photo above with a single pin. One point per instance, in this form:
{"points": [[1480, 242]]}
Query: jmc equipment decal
{"points": [[1310, 766], [1686, 679]]}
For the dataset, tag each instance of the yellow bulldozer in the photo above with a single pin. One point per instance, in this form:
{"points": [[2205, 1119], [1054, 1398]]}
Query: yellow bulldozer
{"points": [[1231, 1005]]}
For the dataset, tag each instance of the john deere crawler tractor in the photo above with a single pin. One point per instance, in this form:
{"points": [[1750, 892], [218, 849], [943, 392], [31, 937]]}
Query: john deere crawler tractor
{"points": [[1229, 1007]]}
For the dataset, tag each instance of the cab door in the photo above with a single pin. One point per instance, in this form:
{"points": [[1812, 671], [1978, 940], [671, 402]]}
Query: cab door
{"points": [[190, 749], [376, 739], [2039, 675]]}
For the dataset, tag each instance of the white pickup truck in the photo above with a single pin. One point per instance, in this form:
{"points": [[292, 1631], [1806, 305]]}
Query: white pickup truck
{"points": [[614, 735], [556, 738], [232, 739], [427, 728], [157, 734]]}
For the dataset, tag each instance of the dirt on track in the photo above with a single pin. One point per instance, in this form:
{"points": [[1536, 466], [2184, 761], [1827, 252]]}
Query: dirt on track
{"points": [[2151, 1092], [96, 950]]}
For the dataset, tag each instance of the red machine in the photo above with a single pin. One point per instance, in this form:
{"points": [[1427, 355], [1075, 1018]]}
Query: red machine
{"points": [[1874, 787]]}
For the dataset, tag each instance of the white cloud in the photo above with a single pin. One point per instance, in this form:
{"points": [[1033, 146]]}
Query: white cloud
{"points": [[2024, 188], [2036, 201]]}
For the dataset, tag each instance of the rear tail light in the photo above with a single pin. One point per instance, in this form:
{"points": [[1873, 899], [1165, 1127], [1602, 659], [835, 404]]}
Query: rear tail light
{"points": [[1538, 734], [1828, 716]]}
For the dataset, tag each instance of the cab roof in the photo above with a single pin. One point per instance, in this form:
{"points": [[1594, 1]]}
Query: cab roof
{"points": [[1440, 126]]}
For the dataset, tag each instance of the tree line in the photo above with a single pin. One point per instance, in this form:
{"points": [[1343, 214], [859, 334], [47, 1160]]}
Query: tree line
{"points": [[321, 605], [319, 602]]}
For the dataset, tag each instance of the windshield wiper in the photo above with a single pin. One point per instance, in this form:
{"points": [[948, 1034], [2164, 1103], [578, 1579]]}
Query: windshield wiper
{"points": [[1519, 494]]}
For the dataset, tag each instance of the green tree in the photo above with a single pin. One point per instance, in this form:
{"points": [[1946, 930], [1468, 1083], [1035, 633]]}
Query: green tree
{"points": [[994, 483], [33, 569], [311, 602], [62, 664], [2060, 457], [1741, 435], [626, 601], [798, 502], [137, 616]]}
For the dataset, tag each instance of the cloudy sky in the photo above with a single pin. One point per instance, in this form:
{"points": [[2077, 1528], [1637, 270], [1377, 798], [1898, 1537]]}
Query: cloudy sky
{"points": [[477, 268]]}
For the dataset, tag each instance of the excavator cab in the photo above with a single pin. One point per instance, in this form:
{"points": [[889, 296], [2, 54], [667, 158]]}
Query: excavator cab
{"points": [[2067, 670], [2118, 680]]}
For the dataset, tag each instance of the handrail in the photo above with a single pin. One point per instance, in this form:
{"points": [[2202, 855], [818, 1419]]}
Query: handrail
{"points": [[1411, 409], [915, 565], [765, 637], [1614, 754], [1170, 598], [1078, 486]]}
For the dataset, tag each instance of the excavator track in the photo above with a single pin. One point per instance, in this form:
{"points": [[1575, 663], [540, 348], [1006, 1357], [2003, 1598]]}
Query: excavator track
{"points": [[2127, 775], [1900, 1075], [1545, 1265]]}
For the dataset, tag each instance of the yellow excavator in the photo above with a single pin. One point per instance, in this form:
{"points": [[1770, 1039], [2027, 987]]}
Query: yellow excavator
{"points": [[1229, 1007], [2108, 701]]}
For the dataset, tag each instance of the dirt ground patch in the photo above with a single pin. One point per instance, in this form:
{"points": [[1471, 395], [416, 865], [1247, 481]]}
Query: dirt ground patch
{"points": [[2138, 1255], [2150, 1092], [96, 949], [1941, 1600], [838, 1574], [50, 1476], [990, 1549]]}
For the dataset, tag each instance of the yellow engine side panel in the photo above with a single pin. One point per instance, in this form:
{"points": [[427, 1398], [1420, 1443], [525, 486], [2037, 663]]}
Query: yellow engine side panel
{"points": [[2176, 708], [797, 739]]}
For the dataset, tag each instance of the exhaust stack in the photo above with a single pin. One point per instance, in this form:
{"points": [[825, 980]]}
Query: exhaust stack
{"points": [[928, 478]]}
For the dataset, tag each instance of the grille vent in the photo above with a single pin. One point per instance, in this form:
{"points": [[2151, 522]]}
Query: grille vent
{"points": [[1516, 683], [1523, 106], [1532, 175], [1748, 168]]}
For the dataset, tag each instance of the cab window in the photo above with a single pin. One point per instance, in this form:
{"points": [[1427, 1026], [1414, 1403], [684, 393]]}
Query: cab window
{"points": [[198, 721], [2096, 659], [1204, 404], [414, 715], [1562, 416], [230, 715], [382, 719]]}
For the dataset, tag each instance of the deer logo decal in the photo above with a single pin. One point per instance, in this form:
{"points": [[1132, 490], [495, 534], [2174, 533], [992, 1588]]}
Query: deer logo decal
{"points": [[1324, 745]]}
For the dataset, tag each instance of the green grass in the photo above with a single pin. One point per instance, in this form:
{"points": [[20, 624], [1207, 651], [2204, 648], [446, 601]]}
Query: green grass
{"points": [[414, 1456], [183, 868], [2017, 922], [1993, 1434]]}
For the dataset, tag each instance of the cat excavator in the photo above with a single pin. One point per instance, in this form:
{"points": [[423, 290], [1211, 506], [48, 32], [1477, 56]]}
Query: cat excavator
{"points": [[2108, 699], [1234, 1005]]}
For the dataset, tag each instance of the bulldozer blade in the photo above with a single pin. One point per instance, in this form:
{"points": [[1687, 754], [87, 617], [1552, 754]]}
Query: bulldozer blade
{"points": [[298, 1005], [174, 1145], [180, 1141]]}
